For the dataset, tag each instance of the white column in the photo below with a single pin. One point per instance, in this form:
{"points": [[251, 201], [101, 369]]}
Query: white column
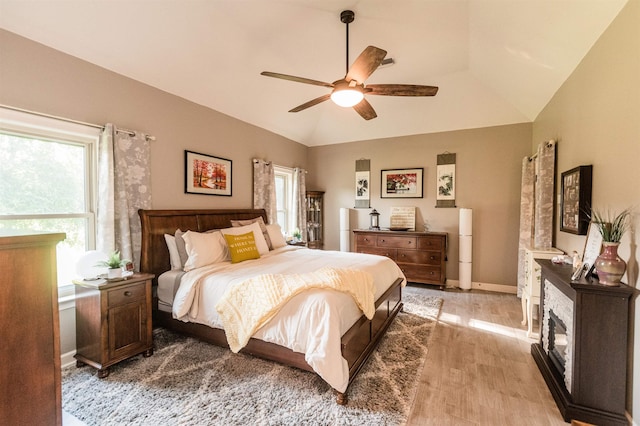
{"points": [[345, 232], [465, 248]]}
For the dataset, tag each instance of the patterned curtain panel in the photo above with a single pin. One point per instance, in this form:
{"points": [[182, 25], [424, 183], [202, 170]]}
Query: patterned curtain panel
{"points": [[124, 186], [299, 199], [526, 216], [264, 188], [544, 190]]}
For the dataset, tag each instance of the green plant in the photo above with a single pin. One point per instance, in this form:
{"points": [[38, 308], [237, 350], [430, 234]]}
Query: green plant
{"points": [[113, 261], [297, 234], [612, 227]]}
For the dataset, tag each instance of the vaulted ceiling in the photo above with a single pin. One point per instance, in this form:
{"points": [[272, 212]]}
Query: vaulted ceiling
{"points": [[495, 61]]}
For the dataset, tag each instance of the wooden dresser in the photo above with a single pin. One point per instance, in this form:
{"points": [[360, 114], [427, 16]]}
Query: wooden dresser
{"points": [[113, 321], [30, 376], [420, 255]]}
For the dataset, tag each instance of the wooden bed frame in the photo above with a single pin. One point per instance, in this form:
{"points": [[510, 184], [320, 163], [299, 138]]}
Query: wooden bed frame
{"points": [[358, 342]]}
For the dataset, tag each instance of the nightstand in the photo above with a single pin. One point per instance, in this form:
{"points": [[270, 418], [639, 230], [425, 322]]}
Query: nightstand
{"points": [[113, 321]]}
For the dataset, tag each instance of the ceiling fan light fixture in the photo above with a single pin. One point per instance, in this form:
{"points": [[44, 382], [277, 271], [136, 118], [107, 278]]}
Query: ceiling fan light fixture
{"points": [[347, 96]]}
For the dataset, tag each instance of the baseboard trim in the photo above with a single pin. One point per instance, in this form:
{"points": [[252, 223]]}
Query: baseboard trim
{"points": [[475, 285], [67, 359]]}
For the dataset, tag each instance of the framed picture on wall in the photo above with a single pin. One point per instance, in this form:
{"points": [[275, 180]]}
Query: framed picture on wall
{"points": [[401, 183], [575, 205], [206, 174]]}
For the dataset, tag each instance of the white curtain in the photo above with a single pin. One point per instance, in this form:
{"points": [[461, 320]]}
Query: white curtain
{"points": [[526, 216], [264, 188], [123, 187], [544, 189], [299, 200], [536, 203]]}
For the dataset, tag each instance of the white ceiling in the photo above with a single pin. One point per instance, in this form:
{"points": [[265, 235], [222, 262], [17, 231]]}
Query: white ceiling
{"points": [[496, 61]]}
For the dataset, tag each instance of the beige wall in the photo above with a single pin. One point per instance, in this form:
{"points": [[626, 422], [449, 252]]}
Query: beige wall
{"points": [[596, 118], [488, 168], [37, 78]]}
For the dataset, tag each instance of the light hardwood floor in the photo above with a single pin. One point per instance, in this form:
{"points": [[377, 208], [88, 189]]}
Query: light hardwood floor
{"points": [[479, 369]]}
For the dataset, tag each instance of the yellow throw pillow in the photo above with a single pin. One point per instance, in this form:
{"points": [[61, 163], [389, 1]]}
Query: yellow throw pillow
{"points": [[242, 247]]}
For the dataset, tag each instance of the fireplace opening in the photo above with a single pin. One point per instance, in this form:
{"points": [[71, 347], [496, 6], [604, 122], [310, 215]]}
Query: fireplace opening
{"points": [[557, 342]]}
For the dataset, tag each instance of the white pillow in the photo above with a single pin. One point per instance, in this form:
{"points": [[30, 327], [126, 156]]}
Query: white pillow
{"points": [[275, 234], [204, 249], [261, 243], [174, 256]]}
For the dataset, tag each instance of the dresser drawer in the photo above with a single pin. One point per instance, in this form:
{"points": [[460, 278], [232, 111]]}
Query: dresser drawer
{"points": [[420, 257], [419, 273], [391, 253], [366, 240], [123, 295], [396, 241], [430, 243]]}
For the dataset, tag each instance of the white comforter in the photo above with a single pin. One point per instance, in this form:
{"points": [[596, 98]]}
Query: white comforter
{"points": [[311, 323]]}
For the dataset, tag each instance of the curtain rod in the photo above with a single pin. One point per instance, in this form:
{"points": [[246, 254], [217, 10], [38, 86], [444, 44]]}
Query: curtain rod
{"points": [[69, 120], [548, 144]]}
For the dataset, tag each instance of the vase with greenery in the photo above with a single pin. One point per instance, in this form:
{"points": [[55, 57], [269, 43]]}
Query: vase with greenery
{"points": [[114, 265], [609, 266]]}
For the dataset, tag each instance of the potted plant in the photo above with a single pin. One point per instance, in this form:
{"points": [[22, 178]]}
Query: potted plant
{"points": [[609, 267], [114, 265]]}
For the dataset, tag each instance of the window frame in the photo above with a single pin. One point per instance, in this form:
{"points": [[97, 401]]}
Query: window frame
{"points": [[45, 128], [287, 172]]}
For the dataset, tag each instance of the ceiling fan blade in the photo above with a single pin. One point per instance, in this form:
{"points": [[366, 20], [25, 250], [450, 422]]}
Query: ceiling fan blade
{"points": [[365, 64], [401, 90], [365, 110], [311, 103], [296, 79]]}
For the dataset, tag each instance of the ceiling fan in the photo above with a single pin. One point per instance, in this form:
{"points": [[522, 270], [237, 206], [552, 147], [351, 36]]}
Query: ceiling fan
{"points": [[350, 90]]}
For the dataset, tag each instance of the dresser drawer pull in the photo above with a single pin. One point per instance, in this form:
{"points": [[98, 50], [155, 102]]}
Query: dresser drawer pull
{"points": [[432, 258], [127, 293], [409, 242], [383, 240]]}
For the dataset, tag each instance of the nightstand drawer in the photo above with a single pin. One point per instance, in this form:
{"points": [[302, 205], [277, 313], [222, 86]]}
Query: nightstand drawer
{"points": [[397, 242], [124, 295]]}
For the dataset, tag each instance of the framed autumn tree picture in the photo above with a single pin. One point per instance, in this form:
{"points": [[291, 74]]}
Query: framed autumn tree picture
{"points": [[206, 174]]}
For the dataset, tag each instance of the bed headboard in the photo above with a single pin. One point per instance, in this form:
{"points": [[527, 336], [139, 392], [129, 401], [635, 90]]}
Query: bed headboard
{"points": [[154, 254]]}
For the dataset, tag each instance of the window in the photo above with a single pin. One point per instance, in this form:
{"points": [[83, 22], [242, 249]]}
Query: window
{"points": [[284, 199], [47, 183]]}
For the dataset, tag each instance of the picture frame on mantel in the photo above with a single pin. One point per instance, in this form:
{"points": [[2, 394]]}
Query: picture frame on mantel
{"points": [[575, 204], [206, 174], [401, 183]]}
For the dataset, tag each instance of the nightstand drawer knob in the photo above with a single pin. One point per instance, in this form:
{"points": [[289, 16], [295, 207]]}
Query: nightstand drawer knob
{"points": [[127, 293]]}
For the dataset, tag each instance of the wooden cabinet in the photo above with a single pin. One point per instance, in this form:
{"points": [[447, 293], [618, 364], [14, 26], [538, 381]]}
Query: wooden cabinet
{"points": [[315, 219], [113, 321], [30, 376], [420, 255], [531, 290], [585, 363]]}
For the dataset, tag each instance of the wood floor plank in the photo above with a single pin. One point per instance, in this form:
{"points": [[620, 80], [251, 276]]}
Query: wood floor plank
{"points": [[479, 369]]}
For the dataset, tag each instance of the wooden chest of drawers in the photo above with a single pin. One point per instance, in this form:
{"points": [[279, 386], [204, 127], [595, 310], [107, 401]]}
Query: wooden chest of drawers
{"points": [[420, 255]]}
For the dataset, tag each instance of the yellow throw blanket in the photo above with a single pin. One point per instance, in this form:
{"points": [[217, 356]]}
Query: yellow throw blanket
{"points": [[249, 305]]}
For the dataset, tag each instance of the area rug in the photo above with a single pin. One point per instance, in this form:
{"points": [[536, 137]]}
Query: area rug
{"points": [[188, 382]]}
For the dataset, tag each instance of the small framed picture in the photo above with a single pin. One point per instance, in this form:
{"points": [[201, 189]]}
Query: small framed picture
{"points": [[575, 205], [401, 183], [206, 174], [592, 246]]}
